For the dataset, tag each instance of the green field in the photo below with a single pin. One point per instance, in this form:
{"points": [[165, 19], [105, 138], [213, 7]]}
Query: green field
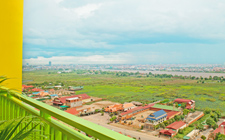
{"points": [[129, 88]]}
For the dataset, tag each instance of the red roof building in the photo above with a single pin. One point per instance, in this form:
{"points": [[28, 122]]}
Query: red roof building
{"points": [[26, 86], [134, 111], [62, 100], [114, 108], [171, 114], [220, 129], [170, 133], [177, 125], [36, 90], [72, 111], [189, 103]]}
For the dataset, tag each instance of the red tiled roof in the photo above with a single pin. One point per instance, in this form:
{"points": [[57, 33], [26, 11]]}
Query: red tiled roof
{"points": [[84, 96], [182, 100], [167, 132], [25, 86], [219, 129], [148, 106], [171, 113], [137, 108], [188, 107], [37, 89], [176, 125], [72, 111], [132, 110]]}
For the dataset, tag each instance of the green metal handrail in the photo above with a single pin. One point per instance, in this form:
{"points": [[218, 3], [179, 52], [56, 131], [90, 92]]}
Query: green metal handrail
{"points": [[46, 113]]}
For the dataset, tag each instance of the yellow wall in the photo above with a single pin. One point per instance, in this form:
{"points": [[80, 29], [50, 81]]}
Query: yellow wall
{"points": [[11, 40]]}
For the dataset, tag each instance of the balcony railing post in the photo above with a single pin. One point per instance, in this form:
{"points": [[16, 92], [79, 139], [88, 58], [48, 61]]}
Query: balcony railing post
{"points": [[46, 128]]}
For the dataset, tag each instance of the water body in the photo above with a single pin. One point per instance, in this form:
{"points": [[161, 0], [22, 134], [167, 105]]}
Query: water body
{"points": [[196, 74]]}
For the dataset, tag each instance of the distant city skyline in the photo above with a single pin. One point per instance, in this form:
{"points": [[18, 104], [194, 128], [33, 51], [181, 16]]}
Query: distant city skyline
{"points": [[124, 32]]}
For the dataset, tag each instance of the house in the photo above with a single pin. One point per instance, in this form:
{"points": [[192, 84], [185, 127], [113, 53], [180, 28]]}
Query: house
{"points": [[72, 88], [220, 129], [157, 117], [74, 102], [114, 108], [61, 92], [62, 100], [128, 106], [168, 132], [136, 103], [43, 94], [130, 113], [36, 90], [172, 129], [26, 86], [191, 118], [190, 104]]}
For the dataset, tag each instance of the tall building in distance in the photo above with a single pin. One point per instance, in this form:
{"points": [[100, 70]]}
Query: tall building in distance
{"points": [[50, 63]]}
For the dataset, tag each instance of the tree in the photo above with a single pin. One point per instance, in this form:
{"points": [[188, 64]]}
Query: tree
{"points": [[218, 112], [177, 118], [113, 118], [111, 114], [210, 122], [162, 125], [203, 137], [183, 105], [96, 110], [166, 123], [214, 126], [186, 111], [207, 111], [200, 127], [181, 117], [181, 131]]}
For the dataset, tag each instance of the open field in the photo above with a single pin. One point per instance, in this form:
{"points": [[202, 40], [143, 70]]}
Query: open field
{"points": [[145, 89], [196, 74]]}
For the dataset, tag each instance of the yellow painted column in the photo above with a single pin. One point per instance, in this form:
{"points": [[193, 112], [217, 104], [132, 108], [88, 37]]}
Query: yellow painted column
{"points": [[11, 41]]}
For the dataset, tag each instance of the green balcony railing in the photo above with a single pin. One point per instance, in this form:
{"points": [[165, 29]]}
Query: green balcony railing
{"points": [[57, 124]]}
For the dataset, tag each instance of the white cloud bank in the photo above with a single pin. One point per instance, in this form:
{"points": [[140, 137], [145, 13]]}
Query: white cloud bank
{"points": [[93, 59]]}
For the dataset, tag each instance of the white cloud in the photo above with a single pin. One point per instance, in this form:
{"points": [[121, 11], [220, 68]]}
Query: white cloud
{"points": [[86, 10], [93, 59]]}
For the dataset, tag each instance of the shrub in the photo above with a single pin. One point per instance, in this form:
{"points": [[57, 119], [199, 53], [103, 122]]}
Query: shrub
{"points": [[203, 137], [181, 131]]}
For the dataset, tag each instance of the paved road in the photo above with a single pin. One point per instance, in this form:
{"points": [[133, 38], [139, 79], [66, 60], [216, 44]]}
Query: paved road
{"points": [[132, 133]]}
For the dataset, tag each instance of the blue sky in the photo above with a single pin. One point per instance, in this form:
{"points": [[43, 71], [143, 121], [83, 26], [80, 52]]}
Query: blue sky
{"points": [[124, 31]]}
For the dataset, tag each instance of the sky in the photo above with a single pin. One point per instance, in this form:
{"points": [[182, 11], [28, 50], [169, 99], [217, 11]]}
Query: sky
{"points": [[124, 31]]}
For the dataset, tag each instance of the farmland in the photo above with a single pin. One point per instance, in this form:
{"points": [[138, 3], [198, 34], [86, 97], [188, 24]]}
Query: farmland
{"points": [[209, 93]]}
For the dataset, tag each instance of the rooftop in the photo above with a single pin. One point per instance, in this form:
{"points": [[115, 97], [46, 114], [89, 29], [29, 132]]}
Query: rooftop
{"points": [[172, 113], [165, 107], [176, 125], [84, 96], [128, 105], [183, 100], [220, 129], [72, 111]]}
